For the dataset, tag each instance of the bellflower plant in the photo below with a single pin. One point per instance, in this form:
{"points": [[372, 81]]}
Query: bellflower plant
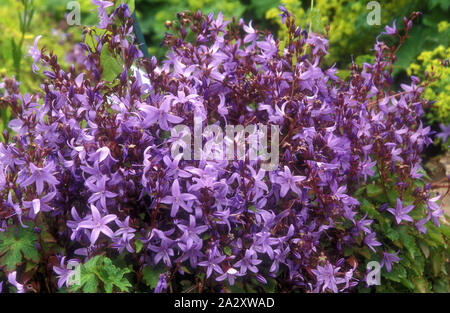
{"points": [[90, 171]]}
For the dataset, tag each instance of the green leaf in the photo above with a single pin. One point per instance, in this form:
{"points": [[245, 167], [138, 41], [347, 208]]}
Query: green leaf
{"points": [[368, 207], [100, 271], [392, 195], [396, 274], [434, 234], [441, 285], [374, 190], [237, 288], [420, 283], [425, 248], [113, 276], [151, 275], [407, 240], [139, 245], [89, 283], [443, 3], [392, 234], [445, 230], [16, 244], [88, 277], [407, 283], [111, 66], [227, 250], [410, 49], [437, 260]]}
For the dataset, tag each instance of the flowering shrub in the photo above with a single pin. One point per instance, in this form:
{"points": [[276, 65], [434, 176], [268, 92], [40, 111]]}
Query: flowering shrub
{"points": [[90, 179]]}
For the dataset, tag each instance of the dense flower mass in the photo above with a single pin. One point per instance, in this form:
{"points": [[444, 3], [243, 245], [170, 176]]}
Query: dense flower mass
{"points": [[92, 156]]}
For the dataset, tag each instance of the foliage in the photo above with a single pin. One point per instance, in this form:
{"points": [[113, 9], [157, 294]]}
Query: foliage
{"points": [[17, 244], [423, 265], [99, 274], [91, 166], [439, 91]]}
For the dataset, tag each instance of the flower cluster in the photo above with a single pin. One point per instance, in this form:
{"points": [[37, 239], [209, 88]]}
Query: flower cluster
{"points": [[94, 156]]}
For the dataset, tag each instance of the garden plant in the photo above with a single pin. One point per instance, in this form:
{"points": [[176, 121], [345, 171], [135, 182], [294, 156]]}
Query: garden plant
{"points": [[94, 183]]}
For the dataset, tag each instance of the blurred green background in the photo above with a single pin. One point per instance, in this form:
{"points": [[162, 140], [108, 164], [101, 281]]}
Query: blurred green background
{"points": [[351, 37]]}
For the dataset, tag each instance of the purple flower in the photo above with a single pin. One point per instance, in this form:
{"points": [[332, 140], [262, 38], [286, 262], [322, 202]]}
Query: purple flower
{"points": [[252, 34], [101, 11], [191, 232], [318, 43], [173, 168], [420, 225], [268, 47], [263, 243], [40, 204], [326, 276], [98, 224], [73, 224], [102, 154], [230, 274], [12, 280], [64, 274], [164, 251], [178, 199], [414, 173], [35, 53], [124, 228], [370, 241], [106, 145], [401, 213], [389, 258], [99, 192], [285, 13], [435, 215], [212, 264], [249, 261], [362, 224], [390, 30], [125, 234], [160, 115], [445, 132], [41, 176], [161, 286], [289, 182], [432, 205]]}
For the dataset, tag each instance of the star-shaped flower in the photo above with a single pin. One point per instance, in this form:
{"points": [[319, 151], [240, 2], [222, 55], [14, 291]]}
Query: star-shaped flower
{"points": [[401, 213], [98, 224], [178, 199], [160, 115], [288, 182], [389, 258], [40, 176], [35, 53]]}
